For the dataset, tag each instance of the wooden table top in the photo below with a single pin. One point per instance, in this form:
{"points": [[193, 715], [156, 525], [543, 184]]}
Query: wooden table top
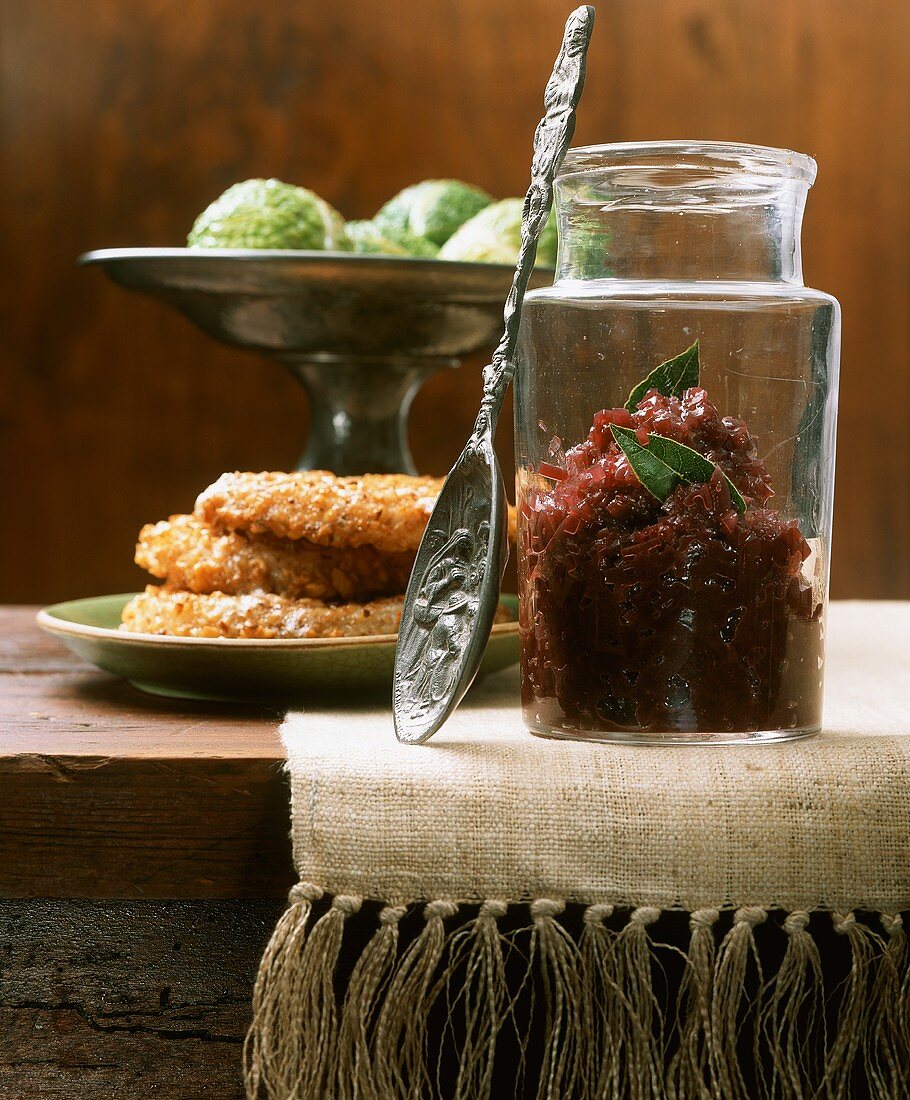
{"points": [[108, 792]]}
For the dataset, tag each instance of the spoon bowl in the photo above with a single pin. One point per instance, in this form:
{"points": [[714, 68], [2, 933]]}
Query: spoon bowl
{"points": [[454, 593]]}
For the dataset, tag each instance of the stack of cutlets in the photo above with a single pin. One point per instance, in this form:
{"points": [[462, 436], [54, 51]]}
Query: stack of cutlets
{"points": [[276, 555]]}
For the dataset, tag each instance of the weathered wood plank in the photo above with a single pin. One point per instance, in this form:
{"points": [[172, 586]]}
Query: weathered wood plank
{"points": [[127, 1000], [89, 713], [51, 700], [25, 650], [100, 827], [106, 792]]}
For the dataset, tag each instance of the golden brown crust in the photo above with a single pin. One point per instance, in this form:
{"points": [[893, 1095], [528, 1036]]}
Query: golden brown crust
{"points": [[190, 555], [387, 511], [169, 611], [275, 555], [216, 615]]}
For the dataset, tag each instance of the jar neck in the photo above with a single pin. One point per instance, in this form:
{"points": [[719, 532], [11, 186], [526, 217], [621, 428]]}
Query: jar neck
{"points": [[637, 220]]}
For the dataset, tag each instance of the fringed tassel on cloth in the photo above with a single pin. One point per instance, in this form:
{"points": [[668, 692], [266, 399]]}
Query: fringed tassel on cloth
{"points": [[855, 1016], [267, 1049], [729, 1007], [793, 1015], [578, 1005], [601, 998], [889, 1053], [639, 1018], [558, 959], [357, 1079], [294, 993], [689, 1072], [480, 1004], [401, 1028]]}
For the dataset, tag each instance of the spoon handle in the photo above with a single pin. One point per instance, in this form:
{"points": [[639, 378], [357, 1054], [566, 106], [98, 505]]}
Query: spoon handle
{"points": [[551, 140], [452, 595]]}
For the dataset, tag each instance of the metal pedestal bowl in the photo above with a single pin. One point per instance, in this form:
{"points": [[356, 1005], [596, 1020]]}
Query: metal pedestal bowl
{"points": [[360, 333]]}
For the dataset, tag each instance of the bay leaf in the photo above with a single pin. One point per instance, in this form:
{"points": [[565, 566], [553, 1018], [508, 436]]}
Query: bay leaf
{"points": [[671, 378], [657, 477], [661, 464]]}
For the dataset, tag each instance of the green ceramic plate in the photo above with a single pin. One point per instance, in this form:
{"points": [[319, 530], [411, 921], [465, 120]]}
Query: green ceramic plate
{"points": [[275, 670]]}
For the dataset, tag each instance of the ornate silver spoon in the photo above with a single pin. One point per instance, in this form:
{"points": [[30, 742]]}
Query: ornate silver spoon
{"points": [[454, 587]]}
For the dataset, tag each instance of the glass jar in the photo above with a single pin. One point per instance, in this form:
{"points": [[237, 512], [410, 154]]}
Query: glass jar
{"points": [[676, 396]]}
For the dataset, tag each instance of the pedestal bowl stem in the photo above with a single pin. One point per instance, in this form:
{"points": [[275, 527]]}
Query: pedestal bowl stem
{"points": [[359, 410]]}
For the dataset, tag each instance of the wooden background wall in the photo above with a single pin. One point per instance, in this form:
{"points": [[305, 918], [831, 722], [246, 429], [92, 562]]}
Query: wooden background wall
{"points": [[120, 119]]}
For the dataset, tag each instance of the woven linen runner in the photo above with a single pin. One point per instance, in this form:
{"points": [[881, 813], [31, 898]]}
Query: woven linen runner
{"points": [[487, 818]]}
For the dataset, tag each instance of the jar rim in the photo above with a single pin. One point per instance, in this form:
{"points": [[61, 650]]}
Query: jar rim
{"points": [[727, 157]]}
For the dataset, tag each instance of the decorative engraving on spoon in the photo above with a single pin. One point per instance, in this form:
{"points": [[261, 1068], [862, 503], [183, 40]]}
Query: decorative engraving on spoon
{"points": [[444, 610]]}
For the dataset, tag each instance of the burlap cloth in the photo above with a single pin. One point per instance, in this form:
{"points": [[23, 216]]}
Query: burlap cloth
{"points": [[486, 813]]}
